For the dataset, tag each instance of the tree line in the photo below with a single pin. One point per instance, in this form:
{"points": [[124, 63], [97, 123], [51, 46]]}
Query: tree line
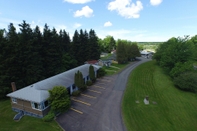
{"points": [[177, 57], [30, 55], [126, 51], [107, 44]]}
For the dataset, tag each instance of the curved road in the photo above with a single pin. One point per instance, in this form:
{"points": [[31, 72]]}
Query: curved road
{"points": [[105, 113]]}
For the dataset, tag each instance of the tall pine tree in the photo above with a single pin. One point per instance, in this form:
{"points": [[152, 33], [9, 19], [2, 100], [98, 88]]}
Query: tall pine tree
{"points": [[94, 49]]}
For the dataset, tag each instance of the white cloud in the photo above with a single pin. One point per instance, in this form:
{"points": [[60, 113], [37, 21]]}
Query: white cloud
{"points": [[107, 24], [85, 11], [155, 2], [78, 1], [126, 8], [77, 25]]}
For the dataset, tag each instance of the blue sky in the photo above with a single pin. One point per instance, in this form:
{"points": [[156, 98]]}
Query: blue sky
{"points": [[134, 20]]}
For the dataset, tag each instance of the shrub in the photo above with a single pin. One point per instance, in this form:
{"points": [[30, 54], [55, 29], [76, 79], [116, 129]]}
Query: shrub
{"points": [[187, 81], [181, 67], [76, 93], [49, 117], [101, 72], [79, 82], [59, 99], [89, 83], [93, 80], [84, 88]]}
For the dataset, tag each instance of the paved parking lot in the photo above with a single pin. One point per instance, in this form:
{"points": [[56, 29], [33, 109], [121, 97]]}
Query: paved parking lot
{"points": [[87, 110], [99, 108]]}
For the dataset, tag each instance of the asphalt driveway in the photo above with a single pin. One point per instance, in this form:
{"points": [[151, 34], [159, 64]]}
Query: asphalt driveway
{"points": [[99, 108]]}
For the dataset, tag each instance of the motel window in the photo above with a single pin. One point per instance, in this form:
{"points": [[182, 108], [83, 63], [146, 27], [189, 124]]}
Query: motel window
{"points": [[74, 86], [46, 104], [84, 80], [36, 106], [14, 100], [87, 77]]}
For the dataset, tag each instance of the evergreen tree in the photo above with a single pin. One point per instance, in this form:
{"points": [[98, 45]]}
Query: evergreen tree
{"points": [[101, 45], [4, 88], [11, 61], [55, 52], [26, 55], [75, 47], [51, 54], [134, 51], [86, 46], [121, 53], [92, 73], [37, 61], [65, 42], [82, 47], [94, 46], [79, 82], [76, 79]]}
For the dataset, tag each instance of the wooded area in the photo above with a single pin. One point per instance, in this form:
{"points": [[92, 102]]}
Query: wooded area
{"points": [[126, 51], [177, 57], [31, 55]]}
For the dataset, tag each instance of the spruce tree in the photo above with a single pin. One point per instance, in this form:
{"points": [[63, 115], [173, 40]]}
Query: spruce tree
{"points": [[94, 46], [92, 73], [76, 47], [4, 86], [11, 61], [37, 55]]}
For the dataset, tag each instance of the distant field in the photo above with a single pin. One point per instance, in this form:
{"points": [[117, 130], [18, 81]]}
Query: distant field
{"points": [[175, 110], [27, 123], [149, 45]]}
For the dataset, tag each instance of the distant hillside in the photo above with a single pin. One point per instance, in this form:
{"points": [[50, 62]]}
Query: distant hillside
{"points": [[149, 43], [152, 46]]}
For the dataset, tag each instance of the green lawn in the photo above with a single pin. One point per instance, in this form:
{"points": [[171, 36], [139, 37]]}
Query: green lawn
{"points": [[27, 123], [106, 57], [175, 110], [115, 68]]}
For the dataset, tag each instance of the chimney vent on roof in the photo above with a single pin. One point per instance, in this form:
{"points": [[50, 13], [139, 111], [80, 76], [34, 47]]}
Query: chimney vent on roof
{"points": [[13, 86]]}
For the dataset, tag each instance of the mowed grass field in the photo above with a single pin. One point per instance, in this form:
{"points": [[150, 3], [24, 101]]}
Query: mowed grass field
{"points": [[27, 123], [175, 110], [115, 68]]}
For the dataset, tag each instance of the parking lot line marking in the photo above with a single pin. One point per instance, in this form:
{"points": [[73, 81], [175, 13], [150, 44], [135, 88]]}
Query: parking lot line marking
{"points": [[80, 112], [101, 83], [88, 96], [106, 80], [98, 87], [81, 102], [95, 91]]}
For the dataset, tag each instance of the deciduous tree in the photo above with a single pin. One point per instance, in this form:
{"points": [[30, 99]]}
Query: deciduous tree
{"points": [[59, 99]]}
